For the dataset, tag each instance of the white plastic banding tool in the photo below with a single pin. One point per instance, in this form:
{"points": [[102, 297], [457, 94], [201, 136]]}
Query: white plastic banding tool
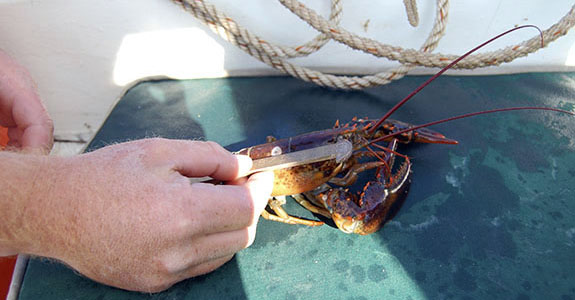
{"points": [[339, 151]]}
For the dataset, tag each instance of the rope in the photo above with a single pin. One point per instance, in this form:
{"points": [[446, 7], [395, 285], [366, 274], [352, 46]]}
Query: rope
{"points": [[277, 56], [411, 10]]}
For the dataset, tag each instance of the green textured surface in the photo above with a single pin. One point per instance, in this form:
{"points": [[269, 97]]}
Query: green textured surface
{"points": [[493, 217]]}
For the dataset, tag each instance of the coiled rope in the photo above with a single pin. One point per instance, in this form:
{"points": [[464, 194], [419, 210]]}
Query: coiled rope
{"points": [[277, 56]]}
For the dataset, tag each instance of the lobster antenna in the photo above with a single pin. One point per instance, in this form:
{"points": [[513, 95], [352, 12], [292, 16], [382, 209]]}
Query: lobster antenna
{"points": [[400, 103], [467, 116]]}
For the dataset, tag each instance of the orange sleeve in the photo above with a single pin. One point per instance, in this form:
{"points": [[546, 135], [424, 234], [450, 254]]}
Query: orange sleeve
{"points": [[3, 137]]}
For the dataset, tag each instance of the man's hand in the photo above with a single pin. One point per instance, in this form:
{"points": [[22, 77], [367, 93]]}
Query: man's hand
{"points": [[127, 216], [21, 110]]}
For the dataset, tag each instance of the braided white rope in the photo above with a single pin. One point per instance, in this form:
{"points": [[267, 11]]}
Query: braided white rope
{"points": [[412, 56], [411, 10], [226, 27], [276, 56]]}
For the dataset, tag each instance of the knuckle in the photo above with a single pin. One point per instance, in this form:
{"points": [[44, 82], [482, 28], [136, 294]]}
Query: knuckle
{"points": [[155, 147], [215, 147], [155, 286], [155, 141], [166, 267], [184, 225], [245, 206], [248, 195], [144, 144], [147, 282]]}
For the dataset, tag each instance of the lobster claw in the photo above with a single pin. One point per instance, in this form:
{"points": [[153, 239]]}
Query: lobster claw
{"points": [[380, 200]]}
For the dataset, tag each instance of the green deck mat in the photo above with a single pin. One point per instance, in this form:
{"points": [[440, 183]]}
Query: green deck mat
{"points": [[490, 218]]}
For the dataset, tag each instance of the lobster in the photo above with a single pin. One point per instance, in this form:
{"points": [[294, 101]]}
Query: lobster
{"points": [[374, 144]]}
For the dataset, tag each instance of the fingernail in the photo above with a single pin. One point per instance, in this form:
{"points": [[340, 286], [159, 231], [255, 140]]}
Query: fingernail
{"points": [[244, 165]]}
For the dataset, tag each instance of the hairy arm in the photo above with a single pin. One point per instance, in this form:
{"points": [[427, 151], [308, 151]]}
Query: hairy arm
{"points": [[17, 174], [126, 215]]}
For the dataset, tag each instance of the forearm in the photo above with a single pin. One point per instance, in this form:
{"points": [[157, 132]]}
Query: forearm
{"points": [[26, 183]]}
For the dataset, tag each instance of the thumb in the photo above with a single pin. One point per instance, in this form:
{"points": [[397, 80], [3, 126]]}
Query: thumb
{"points": [[38, 138]]}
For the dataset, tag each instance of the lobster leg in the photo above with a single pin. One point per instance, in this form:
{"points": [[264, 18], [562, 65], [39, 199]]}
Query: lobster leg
{"points": [[351, 176], [282, 216], [303, 201]]}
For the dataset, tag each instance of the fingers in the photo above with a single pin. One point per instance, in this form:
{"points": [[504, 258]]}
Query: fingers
{"points": [[205, 268], [204, 253], [160, 284], [233, 207], [33, 138], [31, 117], [216, 246], [21, 109], [198, 159], [260, 186], [39, 136]]}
